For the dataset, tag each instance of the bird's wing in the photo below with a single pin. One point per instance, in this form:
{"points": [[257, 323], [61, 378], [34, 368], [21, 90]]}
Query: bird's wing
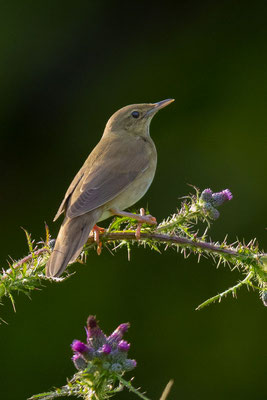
{"points": [[110, 169], [70, 190]]}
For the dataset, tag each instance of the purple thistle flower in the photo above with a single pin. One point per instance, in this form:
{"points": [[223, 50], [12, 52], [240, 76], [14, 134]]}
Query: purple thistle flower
{"points": [[95, 336], [117, 335], [93, 329], [102, 353], [106, 348], [210, 201], [227, 194], [124, 346], [91, 322], [221, 197], [123, 327], [79, 347]]}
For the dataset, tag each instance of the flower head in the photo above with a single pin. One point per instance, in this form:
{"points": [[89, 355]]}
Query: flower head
{"points": [[123, 345], [227, 194], [101, 352], [79, 347], [206, 195], [209, 201], [129, 364], [95, 336], [117, 335], [106, 348], [221, 197]]}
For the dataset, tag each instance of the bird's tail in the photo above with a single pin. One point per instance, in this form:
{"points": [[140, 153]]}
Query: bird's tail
{"points": [[71, 238]]}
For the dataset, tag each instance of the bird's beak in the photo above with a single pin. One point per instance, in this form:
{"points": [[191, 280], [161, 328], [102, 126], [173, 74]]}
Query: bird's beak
{"points": [[158, 106]]}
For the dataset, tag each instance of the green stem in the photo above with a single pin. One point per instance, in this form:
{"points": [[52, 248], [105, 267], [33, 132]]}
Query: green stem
{"points": [[232, 290], [193, 244], [129, 386]]}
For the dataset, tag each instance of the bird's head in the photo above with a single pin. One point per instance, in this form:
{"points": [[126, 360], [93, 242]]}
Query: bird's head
{"points": [[135, 118]]}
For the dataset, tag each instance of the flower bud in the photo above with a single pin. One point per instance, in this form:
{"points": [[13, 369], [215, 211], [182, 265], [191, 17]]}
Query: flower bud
{"points": [[117, 335], [211, 211], [116, 367], [209, 201], [79, 347], [79, 361], [129, 364], [106, 365], [106, 348], [221, 197], [95, 336], [206, 195], [124, 346]]}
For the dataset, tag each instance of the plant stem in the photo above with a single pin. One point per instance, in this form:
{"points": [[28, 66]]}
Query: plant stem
{"points": [[233, 290], [194, 244], [131, 388]]}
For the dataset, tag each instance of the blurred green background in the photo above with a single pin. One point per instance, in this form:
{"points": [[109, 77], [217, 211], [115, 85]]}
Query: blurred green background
{"points": [[65, 68]]}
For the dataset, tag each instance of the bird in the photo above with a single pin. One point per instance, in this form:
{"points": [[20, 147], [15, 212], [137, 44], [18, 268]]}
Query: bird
{"points": [[116, 174]]}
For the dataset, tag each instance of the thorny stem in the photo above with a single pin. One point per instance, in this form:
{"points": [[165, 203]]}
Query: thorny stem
{"points": [[169, 239], [195, 243], [113, 236], [131, 388], [177, 231], [232, 290], [29, 257]]}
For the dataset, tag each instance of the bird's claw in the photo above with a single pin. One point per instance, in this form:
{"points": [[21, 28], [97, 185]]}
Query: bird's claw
{"points": [[141, 219], [144, 219], [96, 230]]}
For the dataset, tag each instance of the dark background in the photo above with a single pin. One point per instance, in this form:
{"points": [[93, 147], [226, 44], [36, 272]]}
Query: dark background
{"points": [[65, 67]]}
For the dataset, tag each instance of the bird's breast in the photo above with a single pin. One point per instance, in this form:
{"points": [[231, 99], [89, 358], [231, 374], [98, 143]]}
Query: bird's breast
{"points": [[137, 189]]}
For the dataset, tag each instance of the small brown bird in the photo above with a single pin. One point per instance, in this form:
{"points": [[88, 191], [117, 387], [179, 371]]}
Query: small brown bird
{"points": [[117, 173]]}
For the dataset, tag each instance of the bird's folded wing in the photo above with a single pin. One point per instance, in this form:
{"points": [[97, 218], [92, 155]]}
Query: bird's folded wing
{"points": [[110, 173], [70, 190]]}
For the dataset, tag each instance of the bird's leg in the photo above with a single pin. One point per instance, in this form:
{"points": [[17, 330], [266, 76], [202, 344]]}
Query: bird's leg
{"points": [[96, 230], [141, 218], [139, 225]]}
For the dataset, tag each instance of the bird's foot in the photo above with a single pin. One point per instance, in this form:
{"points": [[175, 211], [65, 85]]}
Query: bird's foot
{"points": [[96, 230], [142, 218]]}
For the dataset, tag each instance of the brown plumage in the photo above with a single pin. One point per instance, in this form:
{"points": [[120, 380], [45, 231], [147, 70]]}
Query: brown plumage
{"points": [[116, 175]]}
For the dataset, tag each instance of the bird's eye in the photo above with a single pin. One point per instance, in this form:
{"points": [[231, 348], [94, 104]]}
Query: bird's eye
{"points": [[135, 114]]}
